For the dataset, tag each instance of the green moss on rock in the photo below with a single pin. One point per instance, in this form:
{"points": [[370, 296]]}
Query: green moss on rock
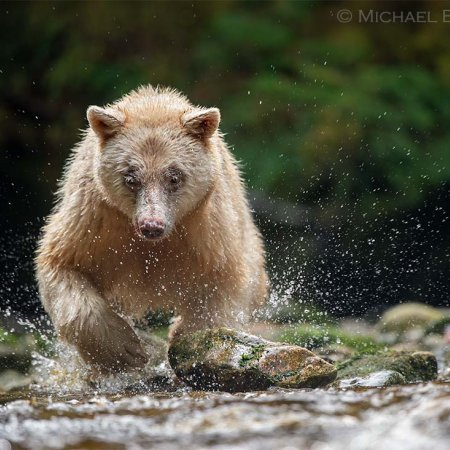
{"points": [[401, 318], [224, 359], [314, 337], [438, 326], [7, 338], [254, 354], [413, 366]]}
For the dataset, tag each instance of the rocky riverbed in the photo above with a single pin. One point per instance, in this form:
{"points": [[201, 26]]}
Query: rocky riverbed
{"points": [[401, 417], [386, 385]]}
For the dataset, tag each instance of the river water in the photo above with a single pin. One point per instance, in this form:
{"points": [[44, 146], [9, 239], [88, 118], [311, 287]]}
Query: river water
{"points": [[401, 418]]}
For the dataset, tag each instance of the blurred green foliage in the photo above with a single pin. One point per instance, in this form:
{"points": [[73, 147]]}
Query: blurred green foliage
{"points": [[319, 111], [317, 337]]}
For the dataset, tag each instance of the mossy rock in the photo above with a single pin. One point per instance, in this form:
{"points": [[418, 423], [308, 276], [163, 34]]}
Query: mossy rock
{"points": [[405, 317], [7, 338], [336, 353], [15, 351], [315, 337], [228, 360], [13, 380], [438, 326], [382, 378], [412, 366]]}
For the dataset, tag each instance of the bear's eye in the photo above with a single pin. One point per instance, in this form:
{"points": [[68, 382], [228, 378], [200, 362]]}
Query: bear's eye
{"points": [[131, 181], [175, 179]]}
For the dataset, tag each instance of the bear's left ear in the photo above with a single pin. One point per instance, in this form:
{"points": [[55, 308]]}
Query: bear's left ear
{"points": [[105, 121], [201, 122]]}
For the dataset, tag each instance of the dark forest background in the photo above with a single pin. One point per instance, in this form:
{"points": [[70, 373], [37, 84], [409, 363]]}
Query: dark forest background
{"points": [[343, 130]]}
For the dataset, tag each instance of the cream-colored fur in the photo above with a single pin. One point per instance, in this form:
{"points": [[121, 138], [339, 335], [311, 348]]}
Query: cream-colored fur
{"points": [[95, 271]]}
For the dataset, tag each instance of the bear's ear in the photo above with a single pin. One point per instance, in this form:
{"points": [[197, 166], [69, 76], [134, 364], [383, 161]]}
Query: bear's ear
{"points": [[202, 122], [105, 122]]}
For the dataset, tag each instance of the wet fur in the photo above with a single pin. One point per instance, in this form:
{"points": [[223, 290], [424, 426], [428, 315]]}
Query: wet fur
{"points": [[94, 271]]}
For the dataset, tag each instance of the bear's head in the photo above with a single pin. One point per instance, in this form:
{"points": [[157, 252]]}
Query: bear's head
{"points": [[156, 157]]}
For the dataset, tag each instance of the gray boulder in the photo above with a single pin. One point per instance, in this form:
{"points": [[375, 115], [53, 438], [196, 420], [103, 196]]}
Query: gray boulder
{"points": [[403, 318]]}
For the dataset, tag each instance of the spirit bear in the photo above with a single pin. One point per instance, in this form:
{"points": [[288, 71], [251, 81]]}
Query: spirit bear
{"points": [[151, 213]]}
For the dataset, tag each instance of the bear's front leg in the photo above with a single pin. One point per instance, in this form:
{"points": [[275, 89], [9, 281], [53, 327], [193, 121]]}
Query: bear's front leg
{"points": [[83, 319], [107, 342]]}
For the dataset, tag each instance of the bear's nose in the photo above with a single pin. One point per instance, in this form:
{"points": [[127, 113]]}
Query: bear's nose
{"points": [[152, 228]]}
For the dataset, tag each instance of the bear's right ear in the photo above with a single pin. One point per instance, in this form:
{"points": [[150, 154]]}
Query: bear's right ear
{"points": [[105, 122]]}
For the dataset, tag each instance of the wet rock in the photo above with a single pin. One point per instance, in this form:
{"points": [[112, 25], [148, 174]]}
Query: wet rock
{"points": [[228, 360], [157, 376], [443, 358], [438, 326], [383, 378], [12, 380], [336, 353], [411, 366], [156, 383], [15, 352], [155, 348], [409, 317]]}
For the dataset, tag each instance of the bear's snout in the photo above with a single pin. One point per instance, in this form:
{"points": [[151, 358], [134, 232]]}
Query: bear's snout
{"points": [[151, 228]]}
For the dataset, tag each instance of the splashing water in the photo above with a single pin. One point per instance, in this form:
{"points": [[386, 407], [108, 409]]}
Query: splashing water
{"points": [[410, 417], [66, 406]]}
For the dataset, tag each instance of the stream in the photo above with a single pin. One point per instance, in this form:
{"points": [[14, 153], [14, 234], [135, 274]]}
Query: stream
{"points": [[415, 416]]}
